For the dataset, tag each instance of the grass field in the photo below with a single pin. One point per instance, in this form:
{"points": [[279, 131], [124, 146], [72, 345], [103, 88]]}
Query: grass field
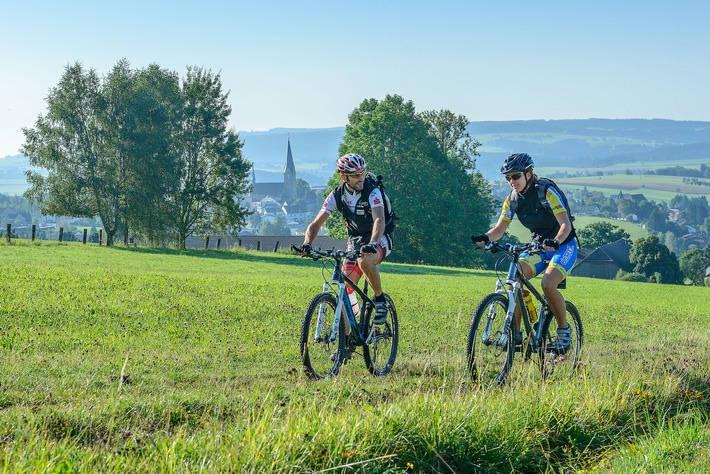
{"points": [[153, 360], [655, 188], [621, 168]]}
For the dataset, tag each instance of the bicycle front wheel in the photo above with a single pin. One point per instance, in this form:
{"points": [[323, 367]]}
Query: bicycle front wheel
{"points": [[321, 346], [380, 348], [556, 359], [490, 347]]}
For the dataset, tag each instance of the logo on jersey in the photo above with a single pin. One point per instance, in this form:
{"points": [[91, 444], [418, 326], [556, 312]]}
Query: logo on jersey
{"points": [[377, 201]]}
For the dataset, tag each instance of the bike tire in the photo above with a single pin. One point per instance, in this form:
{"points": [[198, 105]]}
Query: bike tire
{"points": [[489, 362], [321, 357], [380, 354], [556, 364]]}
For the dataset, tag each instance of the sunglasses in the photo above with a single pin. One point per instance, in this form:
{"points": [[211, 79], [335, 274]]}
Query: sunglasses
{"points": [[513, 177], [355, 175]]}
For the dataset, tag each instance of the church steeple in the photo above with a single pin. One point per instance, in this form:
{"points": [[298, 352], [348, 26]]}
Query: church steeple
{"points": [[289, 176]]}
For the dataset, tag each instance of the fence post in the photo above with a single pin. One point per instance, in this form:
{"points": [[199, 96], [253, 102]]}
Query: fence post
{"points": [[84, 236], [219, 241], [276, 247], [258, 244], [207, 242], [9, 228], [240, 242], [34, 230], [61, 233], [101, 236]]}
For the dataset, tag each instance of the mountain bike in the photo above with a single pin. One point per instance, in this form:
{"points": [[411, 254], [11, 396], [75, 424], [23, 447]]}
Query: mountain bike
{"points": [[330, 330], [491, 345]]}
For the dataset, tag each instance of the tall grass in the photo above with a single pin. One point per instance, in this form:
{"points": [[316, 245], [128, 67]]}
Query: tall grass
{"points": [[145, 360]]}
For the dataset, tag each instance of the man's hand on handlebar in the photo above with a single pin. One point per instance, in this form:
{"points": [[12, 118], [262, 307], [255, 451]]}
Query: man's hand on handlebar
{"points": [[304, 249], [369, 248], [480, 239], [551, 244]]}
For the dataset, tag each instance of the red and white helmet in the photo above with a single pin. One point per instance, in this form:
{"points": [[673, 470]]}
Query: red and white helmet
{"points": [[351, 164]]}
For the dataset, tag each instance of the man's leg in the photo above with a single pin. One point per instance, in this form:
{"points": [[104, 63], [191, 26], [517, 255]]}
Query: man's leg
{"points": [[368, 264]]}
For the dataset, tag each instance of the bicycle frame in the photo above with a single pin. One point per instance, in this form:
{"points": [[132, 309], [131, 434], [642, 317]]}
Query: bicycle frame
{"points": [[512, 287], [341, 281]]}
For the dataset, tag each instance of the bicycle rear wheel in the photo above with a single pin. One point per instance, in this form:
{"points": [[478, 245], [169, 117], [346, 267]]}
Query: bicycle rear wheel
{"points": [[381, 352], [557, 362], [322, 351], [490, 347]]}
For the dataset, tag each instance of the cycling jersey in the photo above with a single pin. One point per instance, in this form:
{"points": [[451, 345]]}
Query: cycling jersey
{"points": [[359, 218], [534, 216]]}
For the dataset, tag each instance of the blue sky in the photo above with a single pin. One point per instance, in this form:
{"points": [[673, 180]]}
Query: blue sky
{"points": [[310, 63]]}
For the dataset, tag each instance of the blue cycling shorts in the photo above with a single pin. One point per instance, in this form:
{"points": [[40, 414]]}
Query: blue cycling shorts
{"points": [[562, 259]]}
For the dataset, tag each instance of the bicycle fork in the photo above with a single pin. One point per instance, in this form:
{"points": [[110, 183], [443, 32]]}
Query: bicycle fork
{"points": [[321, 314], [510, 312]]}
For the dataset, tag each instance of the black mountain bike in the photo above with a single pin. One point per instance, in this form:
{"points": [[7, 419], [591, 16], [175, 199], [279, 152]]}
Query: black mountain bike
{"points": [[330, 331], [491, 345]]}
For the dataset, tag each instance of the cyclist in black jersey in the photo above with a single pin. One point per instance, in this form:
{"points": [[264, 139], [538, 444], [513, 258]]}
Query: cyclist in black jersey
{"points": [[364, 214], [549, 225]]}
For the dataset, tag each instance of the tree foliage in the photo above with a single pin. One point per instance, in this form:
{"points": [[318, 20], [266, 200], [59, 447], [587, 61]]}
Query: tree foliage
{"points": [[693, 265], [653, 259], [436, 194], [146, 155], [601, 233], [213, 172]]}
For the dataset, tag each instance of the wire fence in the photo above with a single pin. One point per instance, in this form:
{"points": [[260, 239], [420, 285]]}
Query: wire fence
{"points": [[260, 243]]}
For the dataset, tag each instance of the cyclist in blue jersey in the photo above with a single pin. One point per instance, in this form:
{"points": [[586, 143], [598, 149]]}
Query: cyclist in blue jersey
{"points": [[549, 224]]}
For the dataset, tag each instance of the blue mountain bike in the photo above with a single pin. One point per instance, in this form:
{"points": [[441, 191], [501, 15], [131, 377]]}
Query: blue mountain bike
{"points": [[491, 337], [330, 330]]}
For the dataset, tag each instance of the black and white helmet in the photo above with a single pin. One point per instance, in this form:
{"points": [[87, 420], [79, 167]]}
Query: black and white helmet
{"points": [[517, 162]]}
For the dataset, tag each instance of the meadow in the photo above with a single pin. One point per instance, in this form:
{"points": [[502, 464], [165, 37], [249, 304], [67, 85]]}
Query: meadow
{"points": [[157, 360], [653, 187]]}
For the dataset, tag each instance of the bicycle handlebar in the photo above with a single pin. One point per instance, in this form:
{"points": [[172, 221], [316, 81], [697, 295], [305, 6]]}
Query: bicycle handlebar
{"points": [[532, 248], [334, 253]]}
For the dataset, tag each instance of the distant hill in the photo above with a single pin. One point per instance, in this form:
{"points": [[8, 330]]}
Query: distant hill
{"points": [[13, 167], [591, 142], [582, 143]]}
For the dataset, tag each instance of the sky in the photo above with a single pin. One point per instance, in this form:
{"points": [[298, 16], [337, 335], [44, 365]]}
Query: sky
{"points": [[309, 64]]}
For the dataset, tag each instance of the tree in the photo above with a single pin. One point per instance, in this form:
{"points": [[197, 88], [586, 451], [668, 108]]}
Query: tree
{"points": [[277, 227], [422, 182], [649, 257], [450, 133], [70, 143], [657, 221], [106, 147], [671, 241], [693, 265], [213, 171], [627, 206], [697, 211], [142, 113], [601, 233]]}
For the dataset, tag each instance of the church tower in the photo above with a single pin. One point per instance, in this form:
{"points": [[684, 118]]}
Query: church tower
{"points": [[289, 176]]}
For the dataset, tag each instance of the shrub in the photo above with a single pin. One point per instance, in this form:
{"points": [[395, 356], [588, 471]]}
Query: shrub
{"points": [[631, 276]]}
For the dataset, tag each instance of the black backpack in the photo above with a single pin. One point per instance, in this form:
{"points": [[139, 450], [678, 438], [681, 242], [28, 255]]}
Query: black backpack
{"points": [[542, 186], [371, 181]]}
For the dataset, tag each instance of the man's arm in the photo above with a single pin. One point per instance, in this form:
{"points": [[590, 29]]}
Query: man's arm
{"points": [[315, 226], [378, 225]]}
